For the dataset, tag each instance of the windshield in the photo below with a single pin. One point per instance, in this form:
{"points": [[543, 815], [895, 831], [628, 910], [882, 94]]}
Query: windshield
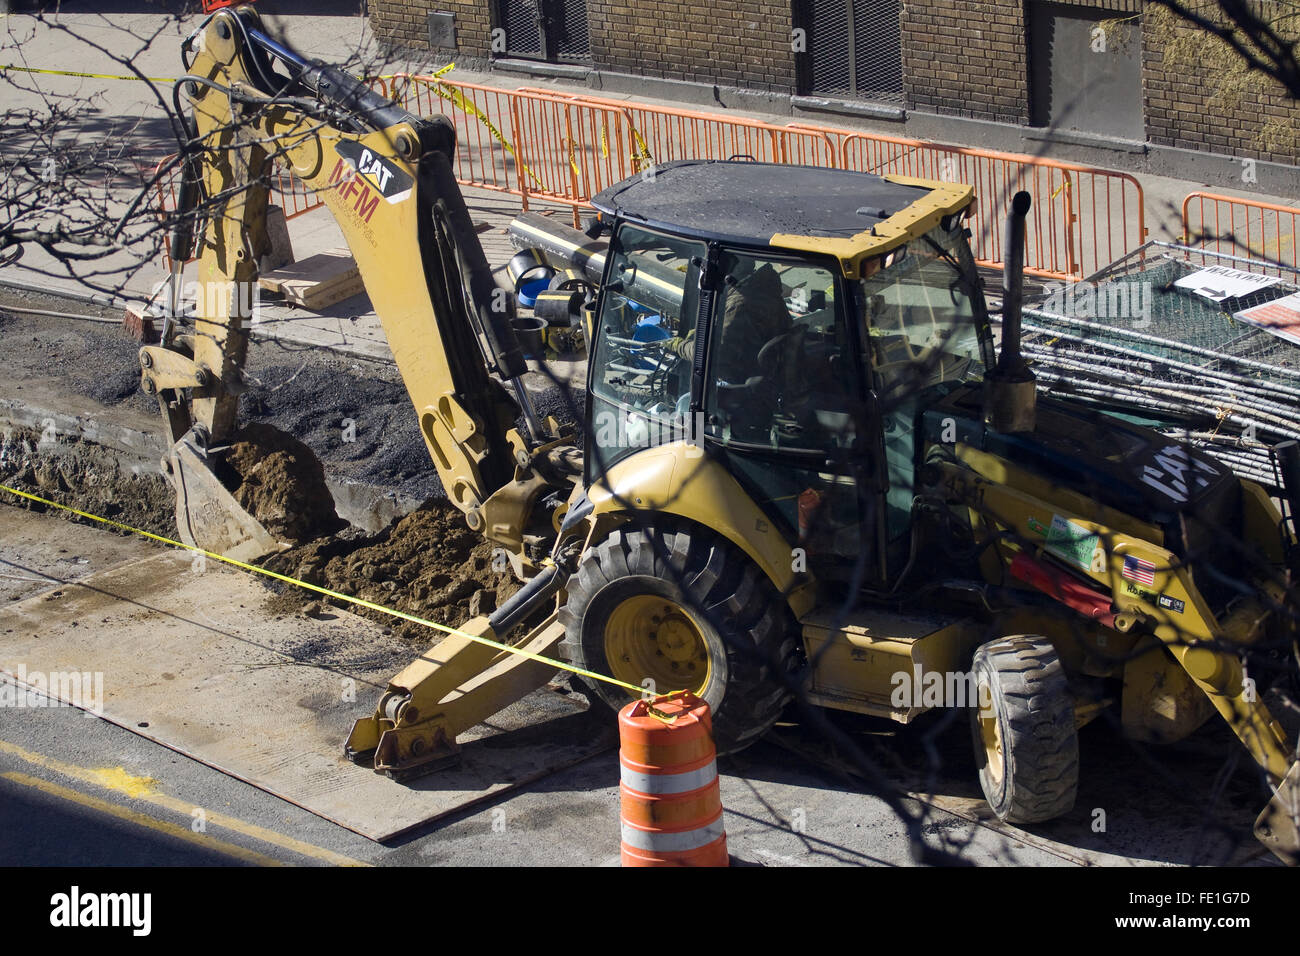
{"points": [[921, 320]]}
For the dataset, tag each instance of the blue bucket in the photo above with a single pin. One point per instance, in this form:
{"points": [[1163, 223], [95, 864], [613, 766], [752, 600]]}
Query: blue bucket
{"points": [[529, 291]]}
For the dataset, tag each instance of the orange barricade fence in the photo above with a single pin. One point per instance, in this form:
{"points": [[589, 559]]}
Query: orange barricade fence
{"points": [[1050, 246], [662, 134], [1083, 217], [1242, 227], [482, 158], [570, 151], [567, 147]]}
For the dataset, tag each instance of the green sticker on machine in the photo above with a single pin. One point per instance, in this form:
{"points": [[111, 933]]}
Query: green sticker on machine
{"points": [[1075, 544]]}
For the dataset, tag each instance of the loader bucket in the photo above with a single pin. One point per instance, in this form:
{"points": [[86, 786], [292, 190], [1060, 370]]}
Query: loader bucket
{"points": [[207, 514], [1278, 826]]}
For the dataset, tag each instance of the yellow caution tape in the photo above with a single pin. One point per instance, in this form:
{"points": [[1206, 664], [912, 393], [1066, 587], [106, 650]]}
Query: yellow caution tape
{"points": [[642, 150], [347, 598], [89, 76], [663, 715], [457, 99], [455, 96]]}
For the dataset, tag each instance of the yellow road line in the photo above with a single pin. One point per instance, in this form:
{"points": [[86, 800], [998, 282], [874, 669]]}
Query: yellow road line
{"points": [[118, 780], [141, 819]]}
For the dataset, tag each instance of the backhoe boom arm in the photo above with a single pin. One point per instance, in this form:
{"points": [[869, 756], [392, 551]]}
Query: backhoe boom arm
{"points": [[386, 175]]}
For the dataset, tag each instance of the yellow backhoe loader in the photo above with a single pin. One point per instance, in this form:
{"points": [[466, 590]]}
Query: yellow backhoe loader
{"points": [[804, 470]]}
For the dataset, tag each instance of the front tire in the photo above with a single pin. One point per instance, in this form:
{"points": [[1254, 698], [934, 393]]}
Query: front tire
{"points": [[687, 610], [1026, 744]]}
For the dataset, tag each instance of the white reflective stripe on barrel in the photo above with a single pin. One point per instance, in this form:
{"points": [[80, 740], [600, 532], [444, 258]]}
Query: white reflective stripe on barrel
{"points": [[676, 842], [660, 783]]}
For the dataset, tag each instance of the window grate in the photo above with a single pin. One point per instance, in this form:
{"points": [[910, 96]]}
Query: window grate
{"points": [[572, 40], [522, 27], [854, 49], [549, 29]]}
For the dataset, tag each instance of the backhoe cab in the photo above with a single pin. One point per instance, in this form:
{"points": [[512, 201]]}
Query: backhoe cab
{"points": [[809, 473], [805, 471]]}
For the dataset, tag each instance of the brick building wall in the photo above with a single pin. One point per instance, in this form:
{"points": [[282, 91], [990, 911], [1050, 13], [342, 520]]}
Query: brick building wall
{"points": [[743, 43], [405, 24], [967, 58], [1180, 113]]}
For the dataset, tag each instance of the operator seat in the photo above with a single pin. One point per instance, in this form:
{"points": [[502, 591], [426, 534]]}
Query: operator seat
{"points": [[750, 405]]}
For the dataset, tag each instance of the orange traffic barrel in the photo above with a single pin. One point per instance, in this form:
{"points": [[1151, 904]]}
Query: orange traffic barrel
{"points": [[672, 810]]}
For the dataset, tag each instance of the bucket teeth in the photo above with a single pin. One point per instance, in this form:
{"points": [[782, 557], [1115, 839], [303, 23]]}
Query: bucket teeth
{"points": [[207, 514]]}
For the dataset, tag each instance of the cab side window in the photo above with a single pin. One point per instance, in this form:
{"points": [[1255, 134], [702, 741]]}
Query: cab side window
{"points": [[647, 323], [781, 371]]}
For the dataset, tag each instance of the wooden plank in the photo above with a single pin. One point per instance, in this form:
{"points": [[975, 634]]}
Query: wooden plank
{"points": [[321, 271], [320, 296]]}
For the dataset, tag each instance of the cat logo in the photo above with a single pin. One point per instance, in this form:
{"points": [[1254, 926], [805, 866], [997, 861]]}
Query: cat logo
{"points": [[371, 165], [381, 174]]}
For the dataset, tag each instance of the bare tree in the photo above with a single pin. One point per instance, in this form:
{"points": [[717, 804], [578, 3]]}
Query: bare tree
{"points": [[87, 190]]}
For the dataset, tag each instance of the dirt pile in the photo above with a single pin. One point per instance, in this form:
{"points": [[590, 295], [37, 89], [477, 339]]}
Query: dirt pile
{"points": [[85, 476], [282, 484], [427, 563]]}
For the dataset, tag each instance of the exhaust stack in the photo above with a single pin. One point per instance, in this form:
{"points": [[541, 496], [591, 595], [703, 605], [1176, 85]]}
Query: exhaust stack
{"points": [[1010, 388]]}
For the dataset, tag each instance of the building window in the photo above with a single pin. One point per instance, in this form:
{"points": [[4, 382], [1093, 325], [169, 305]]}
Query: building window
{"points": [[1085, 70], [541, 29], [853, 49]]}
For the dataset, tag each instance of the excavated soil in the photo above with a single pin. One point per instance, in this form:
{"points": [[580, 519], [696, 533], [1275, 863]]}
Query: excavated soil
{"points": [[428, 563], [305, 407], [282, 484], [85, 476], [354, 414]]}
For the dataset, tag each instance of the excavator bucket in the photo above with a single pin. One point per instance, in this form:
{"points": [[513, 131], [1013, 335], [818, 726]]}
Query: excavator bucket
{"points": [[1278, 826], [207, 514]]}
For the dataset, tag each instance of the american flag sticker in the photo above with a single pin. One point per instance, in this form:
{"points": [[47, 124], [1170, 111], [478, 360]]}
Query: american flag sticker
{"points": [[1135, 569]]}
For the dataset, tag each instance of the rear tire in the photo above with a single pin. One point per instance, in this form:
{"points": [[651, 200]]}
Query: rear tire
{"points": [[1026, 744], [649, 600]]}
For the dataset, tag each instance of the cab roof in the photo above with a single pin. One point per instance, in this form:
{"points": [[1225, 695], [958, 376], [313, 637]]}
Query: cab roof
{"points": [[837, 212]]}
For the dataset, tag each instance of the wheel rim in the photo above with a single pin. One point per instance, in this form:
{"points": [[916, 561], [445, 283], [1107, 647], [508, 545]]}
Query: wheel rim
{"points": [[648, 636], [991, 737]]}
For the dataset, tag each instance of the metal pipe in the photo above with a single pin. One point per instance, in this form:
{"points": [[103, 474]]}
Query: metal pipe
{"points": [[1195, 371], [1167, 343], [526, 600], [562, 243], [1240, 397], [1288, 460], [1009, 387], [531, 420], [1160, 399]]}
